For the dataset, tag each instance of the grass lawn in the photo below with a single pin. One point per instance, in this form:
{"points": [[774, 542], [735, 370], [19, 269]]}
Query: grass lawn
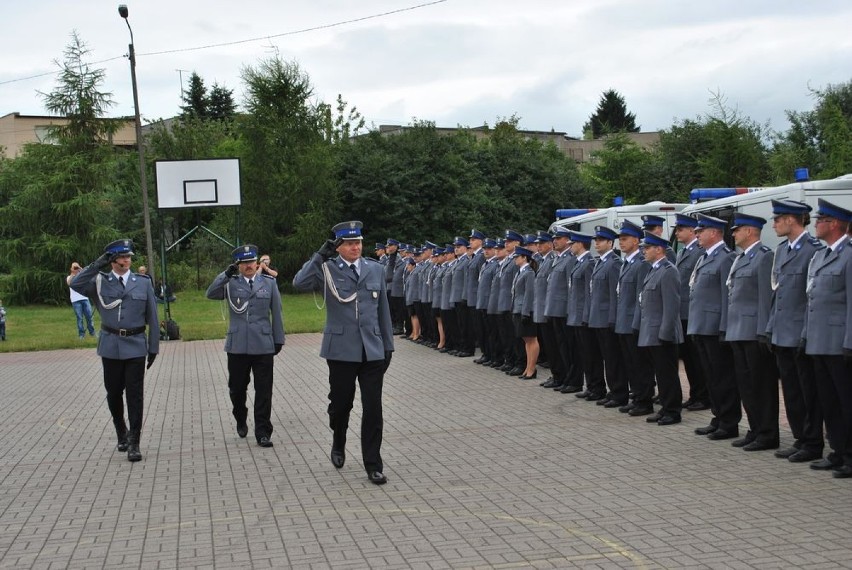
{"points": [[39, 327]]}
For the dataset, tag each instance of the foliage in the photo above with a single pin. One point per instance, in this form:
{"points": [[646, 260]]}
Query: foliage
{"points": [[622, 168], [218, 104], [611, 116]]}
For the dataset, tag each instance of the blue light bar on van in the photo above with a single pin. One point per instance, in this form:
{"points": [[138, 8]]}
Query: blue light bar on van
{"points": [[704, 194], [570, 213]]}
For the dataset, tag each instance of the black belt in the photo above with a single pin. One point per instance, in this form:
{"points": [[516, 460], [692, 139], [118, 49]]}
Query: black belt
{"points": [[123, 332]]}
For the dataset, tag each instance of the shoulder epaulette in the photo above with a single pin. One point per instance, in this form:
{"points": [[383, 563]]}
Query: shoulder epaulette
{"points": [[726, 249], [371, 260], [267, 276], [815, 242], [764, 248]]}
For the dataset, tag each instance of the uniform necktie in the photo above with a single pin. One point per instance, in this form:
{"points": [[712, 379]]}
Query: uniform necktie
{"points": [[354, 269], [121, 281], [251, 284]]}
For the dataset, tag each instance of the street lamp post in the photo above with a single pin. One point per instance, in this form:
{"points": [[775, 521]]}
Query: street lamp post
{"points": [[149, 243]]}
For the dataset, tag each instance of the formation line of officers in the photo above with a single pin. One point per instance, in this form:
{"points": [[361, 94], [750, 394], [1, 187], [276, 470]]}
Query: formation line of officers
{"points": [[613, 325]]}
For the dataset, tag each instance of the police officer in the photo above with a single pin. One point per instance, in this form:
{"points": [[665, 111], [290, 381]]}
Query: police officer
{"points": [[687, 257], [786, 318], [458, 298], [708, 312], [475, 317], [658, 321], [381, 253], [394, 271], [483, 297], [828, 333], [515, 355], [749, 301], [567, 372], [588, 353], [255, 336], [654, 224], [357, 341], [126, 304]]}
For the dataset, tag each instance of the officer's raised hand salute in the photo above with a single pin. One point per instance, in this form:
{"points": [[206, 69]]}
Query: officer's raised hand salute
{"points": [[357, 341], [255, 336], [126, 304]]}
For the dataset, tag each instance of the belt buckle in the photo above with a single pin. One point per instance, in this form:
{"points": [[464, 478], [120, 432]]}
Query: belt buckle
{"points": [[122, 332]]}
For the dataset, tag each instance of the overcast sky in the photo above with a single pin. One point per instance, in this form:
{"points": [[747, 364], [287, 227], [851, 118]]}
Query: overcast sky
{"points": [[456, 62]]}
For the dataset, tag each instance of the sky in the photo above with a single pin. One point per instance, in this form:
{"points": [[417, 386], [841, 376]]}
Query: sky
{"points": [[453, 62]]}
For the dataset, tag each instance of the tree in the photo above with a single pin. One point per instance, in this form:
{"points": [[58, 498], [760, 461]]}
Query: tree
{"points": [[611, 116], [220, 105], [622, 168], [195, 99]]}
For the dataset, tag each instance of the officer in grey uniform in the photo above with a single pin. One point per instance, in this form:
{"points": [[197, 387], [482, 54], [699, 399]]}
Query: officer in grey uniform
{"points": [[708, 315], [255, 336], [786, 318], [483, 297], [357, 340], [588, 353], [394, 271], [545, 266], [658, 321], [458, 298], [749, 301], [492, 314], [475, 318], [126, 304], [638, 369], [515, 356], [827, 333], [687, 257], [565, 366]]}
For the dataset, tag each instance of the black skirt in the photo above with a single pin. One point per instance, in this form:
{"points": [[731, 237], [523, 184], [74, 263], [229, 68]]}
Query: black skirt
{"points": [[524, 326]]}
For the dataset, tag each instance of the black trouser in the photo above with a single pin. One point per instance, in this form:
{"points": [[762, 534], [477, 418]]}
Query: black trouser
{"points": [[495, 342], [479, 328], [451, 328], [507, 339], [120, 377], [552, 334], [570, 350], [801, 400], [427, 323], [616, 379], [664, 360], [694, 374], [543, 352], [341, 381], [716, 360], [832, 375], [591, 359], [465, 327], [240, 367], [398, 313], [638, 369], [757, 382], [474, 334]]}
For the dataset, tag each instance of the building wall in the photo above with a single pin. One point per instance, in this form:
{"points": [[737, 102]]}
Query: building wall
{"points": [[17, 130]]}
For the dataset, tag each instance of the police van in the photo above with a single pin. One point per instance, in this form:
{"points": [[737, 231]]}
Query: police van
{"points": [[758, 201], [584, 221]]}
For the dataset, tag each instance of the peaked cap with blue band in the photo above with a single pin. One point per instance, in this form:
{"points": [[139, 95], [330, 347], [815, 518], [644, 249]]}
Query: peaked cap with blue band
{"points": [[460, 241], [561, 232], [489, 243], [512, 235], [120, 247], [792, 207], [543, 236], [685, 220], [741, 219], [522, 251], [246, 252], [705, 221], [391, 241], [348, 230], [603, 232], [654, 240], [650, 221], [828, 210], [476, 234], [628, 228], [580, 237]]}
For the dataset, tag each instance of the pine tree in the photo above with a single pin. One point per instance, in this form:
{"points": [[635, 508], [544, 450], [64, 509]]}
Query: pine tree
{"points": [[611, 116]]}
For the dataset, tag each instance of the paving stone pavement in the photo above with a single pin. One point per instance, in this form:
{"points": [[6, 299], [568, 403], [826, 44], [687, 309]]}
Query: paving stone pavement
{"points": [[486, 471]]}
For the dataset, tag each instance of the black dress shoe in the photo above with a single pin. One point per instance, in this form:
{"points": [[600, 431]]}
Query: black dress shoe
{"points": [[788, 452], [122, 444], [595, 397], [758, 445], [242, 429], [698, 406], [654, 418], [569, 389], [464, 354], [582, 394], [668, 420], [505, 367], [544, 364], [515, 372], [133, 453], [264, 441], [842, 472], [626, 407], [614, 404], [804, 455], [533, 377], [550, 384], [603, 402], [687, 403], [723, 434], [480, 360], [377, 478], [825, 464], [443, 350], [705, 430], [338, 457], [494, 364], [743, 441], [640, 411]]}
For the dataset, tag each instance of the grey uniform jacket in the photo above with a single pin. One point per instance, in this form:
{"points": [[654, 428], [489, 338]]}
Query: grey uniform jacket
{"points": [[556, 298], [494, 296], [578, 291], [522, 291], [425, 275], [397, 288], [437, 280], [630, 279], [789, 301], [459, 292], [412, 284], [483, 283], [686, 260], [658, 315], [828, 319], [361, 327], [540, 285], [507, 277], [471, 280], [447, 278], [708, 294], [260, 327], [749, 294], [603, 300], [138, 308]]}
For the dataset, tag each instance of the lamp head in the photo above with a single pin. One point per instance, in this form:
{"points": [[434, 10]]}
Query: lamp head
{"points": [[122, 10]]}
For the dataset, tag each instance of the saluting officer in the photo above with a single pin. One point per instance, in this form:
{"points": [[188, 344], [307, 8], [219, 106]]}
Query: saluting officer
{"points": [[255, 336], [126, 304], [658, 321], [786, 318], [357, 341], [749, 301], [708, 311], [827, 333]]}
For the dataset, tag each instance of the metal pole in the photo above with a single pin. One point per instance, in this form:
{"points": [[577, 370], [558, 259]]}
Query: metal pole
{"points": [[149, 243]]}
